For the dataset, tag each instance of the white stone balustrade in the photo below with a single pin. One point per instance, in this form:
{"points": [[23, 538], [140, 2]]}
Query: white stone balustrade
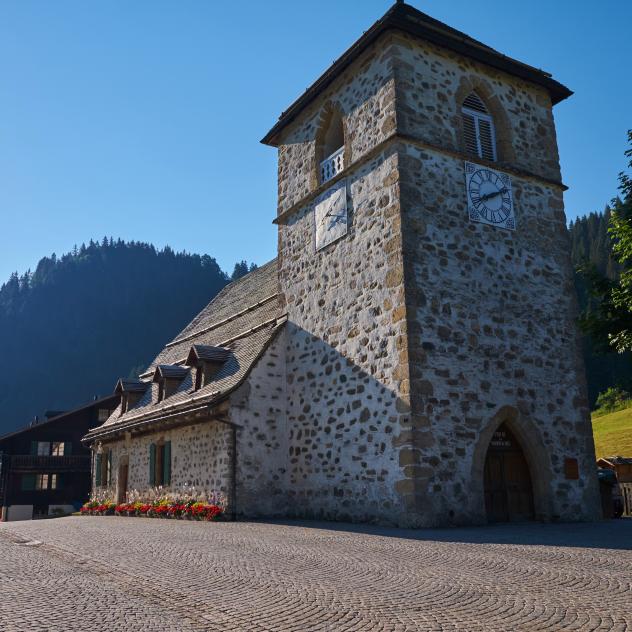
{"points": [[332, 165]]}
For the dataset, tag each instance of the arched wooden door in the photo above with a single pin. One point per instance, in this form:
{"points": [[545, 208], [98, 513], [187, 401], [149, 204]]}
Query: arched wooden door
{"points": [[508, 488]]}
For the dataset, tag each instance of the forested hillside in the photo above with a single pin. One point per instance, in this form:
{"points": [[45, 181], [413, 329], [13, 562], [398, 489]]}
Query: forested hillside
{"points": [[590, 243], [69, 329], [73, 326]]}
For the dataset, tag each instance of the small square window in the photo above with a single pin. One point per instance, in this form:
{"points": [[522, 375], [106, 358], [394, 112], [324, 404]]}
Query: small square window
{"points": [[43, 448], [57, 448], [41, 481]]}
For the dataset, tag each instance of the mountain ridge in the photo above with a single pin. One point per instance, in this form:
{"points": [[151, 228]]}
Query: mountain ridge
{"points": [[77, 323]]}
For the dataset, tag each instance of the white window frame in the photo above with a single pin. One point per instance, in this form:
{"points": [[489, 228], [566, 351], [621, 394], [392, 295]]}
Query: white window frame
{"points": [[41, 482], [478, 117]]}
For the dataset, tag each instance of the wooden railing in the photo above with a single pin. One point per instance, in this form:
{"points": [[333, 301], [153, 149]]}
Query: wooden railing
{"points": [[4, 466], [626, 492], [50, 463]]}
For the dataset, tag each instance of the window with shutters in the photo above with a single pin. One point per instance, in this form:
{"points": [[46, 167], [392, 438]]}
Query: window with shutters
{"points": [[40, 482], [103, 469], [478, 128], [160, 463]]}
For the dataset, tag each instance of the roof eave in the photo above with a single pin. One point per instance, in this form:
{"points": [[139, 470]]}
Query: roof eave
{"points": [[94, 402], [212, 399], [395, 19]]}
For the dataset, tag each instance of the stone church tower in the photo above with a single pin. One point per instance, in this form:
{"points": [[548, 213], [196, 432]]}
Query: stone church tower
{"points": [[411, 357], [433, 372]]}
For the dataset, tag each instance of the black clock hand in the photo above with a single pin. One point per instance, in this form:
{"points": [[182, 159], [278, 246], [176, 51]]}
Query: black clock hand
{"points": [[326, 215], [488, 196]]}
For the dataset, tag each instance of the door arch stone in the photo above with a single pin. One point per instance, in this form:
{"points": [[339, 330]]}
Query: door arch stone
{"points": [[535, 453]]}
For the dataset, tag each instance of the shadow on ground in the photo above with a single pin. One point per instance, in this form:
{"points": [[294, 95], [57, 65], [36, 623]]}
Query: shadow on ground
{"points": [[606, 534]]}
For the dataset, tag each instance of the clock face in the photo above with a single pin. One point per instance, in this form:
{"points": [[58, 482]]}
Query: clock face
{"points": [[330, 215], [489, 197]]}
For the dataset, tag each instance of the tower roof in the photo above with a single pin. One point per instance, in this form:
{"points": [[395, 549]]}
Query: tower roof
{"points": [[403, 17]]}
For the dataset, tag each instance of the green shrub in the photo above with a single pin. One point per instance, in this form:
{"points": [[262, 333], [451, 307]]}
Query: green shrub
{"points": [[611, 400]]}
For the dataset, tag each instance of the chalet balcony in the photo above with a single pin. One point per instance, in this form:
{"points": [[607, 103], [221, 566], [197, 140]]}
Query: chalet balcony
{"points": [[32, 463], [332, 165]]}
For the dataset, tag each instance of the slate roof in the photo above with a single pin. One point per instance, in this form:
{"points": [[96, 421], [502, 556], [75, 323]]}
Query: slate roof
{"points": [[126, 385], [208, 353], [170, 371], [617, 460], [242, 319], [405, 18]]}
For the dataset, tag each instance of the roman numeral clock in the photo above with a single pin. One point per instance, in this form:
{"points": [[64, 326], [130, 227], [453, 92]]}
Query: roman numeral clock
{"points": [[489, 197]]}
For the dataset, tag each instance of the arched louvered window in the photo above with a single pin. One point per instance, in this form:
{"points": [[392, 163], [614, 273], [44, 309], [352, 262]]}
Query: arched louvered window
{"points": [[478, 128]]}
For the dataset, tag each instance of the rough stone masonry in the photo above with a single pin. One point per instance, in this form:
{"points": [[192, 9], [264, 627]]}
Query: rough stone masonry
{"points": [[368, 377], [414, 337]]}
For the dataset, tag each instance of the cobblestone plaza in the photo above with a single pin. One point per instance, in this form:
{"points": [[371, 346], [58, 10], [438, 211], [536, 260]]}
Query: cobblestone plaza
{"points": [[133, 574]]}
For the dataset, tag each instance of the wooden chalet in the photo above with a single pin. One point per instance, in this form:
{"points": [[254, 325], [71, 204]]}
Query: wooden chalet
{"points": [[44, 468]]}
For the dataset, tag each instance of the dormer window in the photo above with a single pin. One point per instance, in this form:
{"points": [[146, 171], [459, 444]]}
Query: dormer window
{"points": [[478, 128], [206, 362], [331, 147], [131, 392], [169, 377]]}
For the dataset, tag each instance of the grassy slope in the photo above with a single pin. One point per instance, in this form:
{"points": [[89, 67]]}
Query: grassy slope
{"points": [[613, 433]]}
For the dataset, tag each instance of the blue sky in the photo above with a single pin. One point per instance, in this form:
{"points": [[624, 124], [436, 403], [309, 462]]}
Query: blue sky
{"points": [[142, 119]]}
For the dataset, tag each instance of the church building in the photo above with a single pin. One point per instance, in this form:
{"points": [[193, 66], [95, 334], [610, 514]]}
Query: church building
{"points": [[411, 357]]}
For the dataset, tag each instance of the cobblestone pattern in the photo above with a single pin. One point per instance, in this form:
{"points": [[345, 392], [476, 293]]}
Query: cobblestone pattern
{"points": [[83, 574]]}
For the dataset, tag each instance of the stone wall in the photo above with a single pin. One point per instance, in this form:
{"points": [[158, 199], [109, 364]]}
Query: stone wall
{"points": [[431, 84], [200, 457], [258, 408], [201, 454], [491, 319], [412, 338], [347, 380], [365, 96]]}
